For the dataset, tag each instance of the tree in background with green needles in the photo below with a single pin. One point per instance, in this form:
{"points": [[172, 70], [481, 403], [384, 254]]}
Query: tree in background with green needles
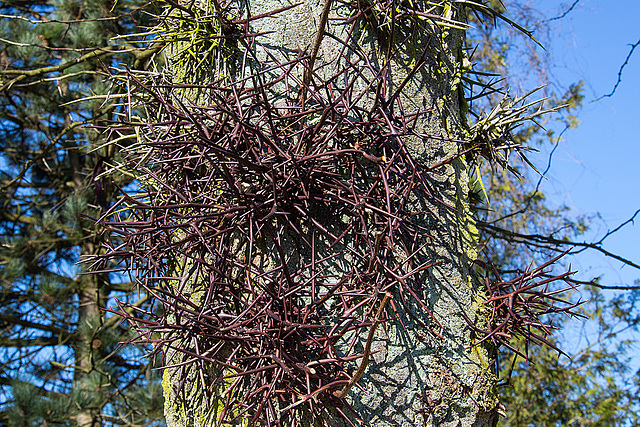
{"points": [[59, 357]]}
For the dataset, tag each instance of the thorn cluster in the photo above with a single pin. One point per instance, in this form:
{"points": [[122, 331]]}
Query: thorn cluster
{"points": [[269, 232], [274, 219], [521, 307]]}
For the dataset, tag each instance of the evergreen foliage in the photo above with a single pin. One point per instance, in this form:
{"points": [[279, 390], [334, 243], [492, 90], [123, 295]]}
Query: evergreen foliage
{"points": [[59, 353]]}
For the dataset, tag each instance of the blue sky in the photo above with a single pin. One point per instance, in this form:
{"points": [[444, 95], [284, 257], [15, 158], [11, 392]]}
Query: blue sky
{"points": [[595, 169]]}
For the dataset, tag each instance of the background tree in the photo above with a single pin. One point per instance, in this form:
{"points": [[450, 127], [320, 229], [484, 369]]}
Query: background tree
{"points": [[57, 349], [594, 384]]}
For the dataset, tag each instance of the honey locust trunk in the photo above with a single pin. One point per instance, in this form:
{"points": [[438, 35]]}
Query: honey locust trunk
{"points": [[314, 255]]}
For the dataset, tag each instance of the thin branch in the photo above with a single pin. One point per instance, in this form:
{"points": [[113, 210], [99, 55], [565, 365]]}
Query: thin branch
{"points": [[71, 21], [23, 74], [64, 335], [52, 145], [539, 240], [626, 61], [562, 15], [367, 350], [630, 220], [316, 48], [32, 342], [614, 287], [536, 192]]}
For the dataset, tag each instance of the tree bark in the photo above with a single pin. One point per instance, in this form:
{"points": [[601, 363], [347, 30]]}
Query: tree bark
{"points": [[416, 376], [88, 314]]}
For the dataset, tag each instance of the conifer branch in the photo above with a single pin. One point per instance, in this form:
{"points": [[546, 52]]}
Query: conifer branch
{"points": [[24, 74], [63, 335]]}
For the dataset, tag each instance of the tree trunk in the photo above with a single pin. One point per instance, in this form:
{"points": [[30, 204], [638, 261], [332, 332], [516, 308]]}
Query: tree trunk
{"points": [[88, 314], [424, 368], [86, 379]]}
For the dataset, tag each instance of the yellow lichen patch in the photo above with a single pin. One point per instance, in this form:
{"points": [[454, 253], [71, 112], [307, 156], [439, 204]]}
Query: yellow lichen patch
{"points": [[202, 41]]}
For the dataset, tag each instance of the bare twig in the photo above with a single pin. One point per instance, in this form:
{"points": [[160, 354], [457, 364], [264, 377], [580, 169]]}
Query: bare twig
{"points": [[626, 61], [316, 48], [367, 350]]}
